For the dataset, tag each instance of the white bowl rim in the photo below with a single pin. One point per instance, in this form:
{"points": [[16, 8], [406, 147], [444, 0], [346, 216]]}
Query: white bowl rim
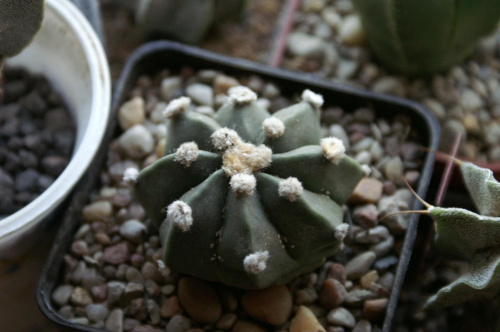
{"points": [[101, 106]]}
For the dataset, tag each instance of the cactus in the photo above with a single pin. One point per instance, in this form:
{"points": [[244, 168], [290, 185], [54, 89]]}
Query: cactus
{"points": [[246, 198], [472, 237], [19, 21], [185, 20], [423, 37]]}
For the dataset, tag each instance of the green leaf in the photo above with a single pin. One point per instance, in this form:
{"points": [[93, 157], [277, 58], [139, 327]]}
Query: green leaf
{"points": [[483, 188], [480, 283], [462, 234]]}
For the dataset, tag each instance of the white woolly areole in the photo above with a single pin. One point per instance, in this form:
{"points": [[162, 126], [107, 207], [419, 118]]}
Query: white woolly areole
{"points": [[333, 149], [130, 175], [243, 184], [187, 153], [290, 189], [246, 158], [181, 215], [341, 231], [313, 98], [224, 138], [177, 106], [257, 262], [241, 95], [273, 127]]}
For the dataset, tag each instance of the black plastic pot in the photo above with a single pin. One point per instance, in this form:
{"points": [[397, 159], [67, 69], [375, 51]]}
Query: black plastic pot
{"points": [[156, 56]]}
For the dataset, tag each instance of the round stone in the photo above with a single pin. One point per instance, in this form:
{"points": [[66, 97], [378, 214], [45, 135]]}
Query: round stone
{"points": [[304, 321], [341, 316], [200, 300], [272, 305], [359, 265], [133, 230]]}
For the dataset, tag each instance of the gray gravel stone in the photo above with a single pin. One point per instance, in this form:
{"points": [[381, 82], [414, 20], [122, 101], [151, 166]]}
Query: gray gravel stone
{"points": [[96, 312], [341, 316], [137, 141], [133, 230], [178, 323], [201, 93], [359, 265], [114, 322], [62, 295], [302, 44]]}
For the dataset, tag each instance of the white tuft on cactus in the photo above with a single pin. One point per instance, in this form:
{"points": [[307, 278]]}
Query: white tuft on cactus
{"points": [[241, 95], [257, 262], [341, 231], [181, 215], [187, 153], [243, 184], [290, 189], [316, 100], [224, 138], [130, 175], [246, 158], [333, 149], [177, 106], [273, 127]]}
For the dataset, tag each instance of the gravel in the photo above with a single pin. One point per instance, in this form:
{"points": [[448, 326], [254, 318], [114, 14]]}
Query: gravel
{"points": [[468, 93], [37, 136], [118, 269]]}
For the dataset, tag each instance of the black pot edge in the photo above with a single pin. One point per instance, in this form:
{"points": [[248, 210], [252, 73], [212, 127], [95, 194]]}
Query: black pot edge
{"points": [[70, 225]]}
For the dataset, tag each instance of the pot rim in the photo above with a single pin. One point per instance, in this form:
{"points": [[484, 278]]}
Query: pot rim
{"points": [[93, 50]]}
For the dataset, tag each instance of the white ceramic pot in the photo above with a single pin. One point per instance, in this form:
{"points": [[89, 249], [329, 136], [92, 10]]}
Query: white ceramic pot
{"points": [[68, 52]]}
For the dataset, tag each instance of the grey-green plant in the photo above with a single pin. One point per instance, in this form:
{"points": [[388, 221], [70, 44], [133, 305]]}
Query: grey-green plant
{"points": [[19, 21], [247, 198], [185, 20], [472, 237], [426, 36]]}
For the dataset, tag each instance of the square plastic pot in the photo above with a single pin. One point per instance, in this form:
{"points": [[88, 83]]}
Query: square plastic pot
{"points": [[156, 56]]}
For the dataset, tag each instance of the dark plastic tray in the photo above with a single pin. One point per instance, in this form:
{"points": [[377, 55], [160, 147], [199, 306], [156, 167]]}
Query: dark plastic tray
{"points": [[155, 56]]}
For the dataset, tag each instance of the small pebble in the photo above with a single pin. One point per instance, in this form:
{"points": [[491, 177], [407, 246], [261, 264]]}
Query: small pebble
{"points": [[341, 316], [199, 299], [305, 321], [359, 265], [272, 305]]}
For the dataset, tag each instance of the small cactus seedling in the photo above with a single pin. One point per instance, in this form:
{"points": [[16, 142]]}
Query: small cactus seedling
{"points": [[473, 237], [246, 198]]}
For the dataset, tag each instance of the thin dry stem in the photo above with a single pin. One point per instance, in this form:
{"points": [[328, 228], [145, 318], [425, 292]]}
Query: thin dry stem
{"points": [[404, 212], [424, 203], [443, 155]]}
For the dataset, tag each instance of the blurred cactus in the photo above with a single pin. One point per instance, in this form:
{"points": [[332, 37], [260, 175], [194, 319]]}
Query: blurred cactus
{"points": [[246, 198], [185, 20], [19, 21], [427, 36]]}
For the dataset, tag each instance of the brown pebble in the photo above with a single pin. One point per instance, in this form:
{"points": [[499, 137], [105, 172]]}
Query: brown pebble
{"points": [[246, 326], [80, 297], [222, 83], [199, 299], [332, 293], [368, 190], [79, 248], [272, 305], [117, 254], [100, 293], [337, 271], [170, 307], [305, 321], [100, 210], [146, 328], [374, 310]]}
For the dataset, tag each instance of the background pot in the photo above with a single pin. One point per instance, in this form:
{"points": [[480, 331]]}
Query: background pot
{"points": [[68, 52], [157, 56]]}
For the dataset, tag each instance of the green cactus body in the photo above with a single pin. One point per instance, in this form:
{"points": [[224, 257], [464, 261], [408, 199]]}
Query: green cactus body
{"points": [[248, 199], [423, 37], [19, 22], [185, 20]]}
